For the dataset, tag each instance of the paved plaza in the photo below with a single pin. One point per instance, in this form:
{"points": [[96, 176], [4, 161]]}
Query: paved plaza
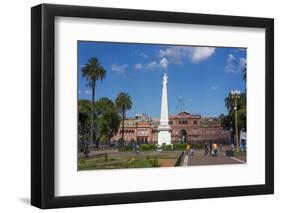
{"points": [[200, 159]]}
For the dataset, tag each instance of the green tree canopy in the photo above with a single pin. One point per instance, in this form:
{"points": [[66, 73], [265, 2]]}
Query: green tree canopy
{"points": [[93, 71], [84, 123], [228, 121], [107, 119], [123, 103]]}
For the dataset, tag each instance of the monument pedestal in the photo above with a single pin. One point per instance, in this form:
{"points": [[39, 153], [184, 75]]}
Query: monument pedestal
{"points": [[164, 135]]}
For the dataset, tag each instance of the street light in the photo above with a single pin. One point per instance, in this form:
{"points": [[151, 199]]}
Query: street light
{"points": [[235, 95]]}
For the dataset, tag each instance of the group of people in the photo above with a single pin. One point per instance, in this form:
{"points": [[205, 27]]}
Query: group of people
{"points": [[190, 149], [212, 148]]}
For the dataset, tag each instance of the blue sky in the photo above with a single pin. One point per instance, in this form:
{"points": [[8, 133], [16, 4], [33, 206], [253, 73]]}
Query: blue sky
{"points": [[200, 76]]}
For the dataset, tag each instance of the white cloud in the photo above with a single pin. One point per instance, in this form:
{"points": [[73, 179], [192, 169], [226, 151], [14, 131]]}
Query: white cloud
{"points": [[152, 65], [174, 54], [88, 92], [163, 63], [233, 65], [199, 54], [119, 68], [230, 58], [242, 63], [213, 88], [230, 64], [177, 54], [138, 66], [141, 54]]}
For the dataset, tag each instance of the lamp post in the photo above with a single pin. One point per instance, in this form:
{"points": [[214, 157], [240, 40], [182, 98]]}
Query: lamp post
{"points": [[235, 95]]}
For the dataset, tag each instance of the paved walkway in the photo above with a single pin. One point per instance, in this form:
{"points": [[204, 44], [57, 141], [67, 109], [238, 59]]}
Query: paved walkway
{"points": [[185, 161], [200, 159]]}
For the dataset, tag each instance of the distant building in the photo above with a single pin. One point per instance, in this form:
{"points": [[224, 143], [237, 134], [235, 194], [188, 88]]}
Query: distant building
{"points": [[185, 127]]}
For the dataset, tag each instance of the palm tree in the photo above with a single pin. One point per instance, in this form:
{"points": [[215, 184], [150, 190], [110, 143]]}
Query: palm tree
{"points": [[244, 71], [123, 103], [92, 72]]}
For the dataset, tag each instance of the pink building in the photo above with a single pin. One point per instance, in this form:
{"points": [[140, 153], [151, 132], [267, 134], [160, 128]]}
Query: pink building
{"points": [[185, 127]]}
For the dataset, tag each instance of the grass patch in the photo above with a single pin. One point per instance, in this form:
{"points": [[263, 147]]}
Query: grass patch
{"points": [[118, 164], [240, 153], [146, 159]]}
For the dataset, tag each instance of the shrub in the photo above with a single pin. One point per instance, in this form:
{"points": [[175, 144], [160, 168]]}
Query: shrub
{"points": [[125, 148], [145, 147], [179, 146], [168, 147], [199, 146]]}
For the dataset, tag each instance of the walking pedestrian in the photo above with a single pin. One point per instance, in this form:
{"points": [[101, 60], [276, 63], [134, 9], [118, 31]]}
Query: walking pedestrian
{"points": [[191, 149], [221, 147], [211, 148], [215, 149], [137, 149], [206, 148], [188, 149]]}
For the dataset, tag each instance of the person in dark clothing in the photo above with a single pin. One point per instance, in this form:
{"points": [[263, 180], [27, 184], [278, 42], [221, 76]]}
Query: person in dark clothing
{"points": [[211, 148], [206, 148], [86, 152]]}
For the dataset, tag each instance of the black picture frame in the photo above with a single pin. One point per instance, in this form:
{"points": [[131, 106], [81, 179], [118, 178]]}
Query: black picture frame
{"points": [[43, 102]]}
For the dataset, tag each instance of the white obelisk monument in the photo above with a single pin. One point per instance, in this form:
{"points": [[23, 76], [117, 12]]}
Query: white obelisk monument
{"points": [[164, 134]]}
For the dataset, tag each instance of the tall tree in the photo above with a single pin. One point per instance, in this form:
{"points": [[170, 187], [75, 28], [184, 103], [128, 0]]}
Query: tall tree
{"points": [[84, 112], [229, 120], [123, 103], [92, 72], [107, 120]]}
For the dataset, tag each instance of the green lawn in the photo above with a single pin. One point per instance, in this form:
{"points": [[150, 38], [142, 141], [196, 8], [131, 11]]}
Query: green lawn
{"points": [[121, 160]]}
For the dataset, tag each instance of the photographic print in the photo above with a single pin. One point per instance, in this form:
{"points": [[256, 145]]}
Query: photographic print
{"points": [[139, 94], [155, 105]]}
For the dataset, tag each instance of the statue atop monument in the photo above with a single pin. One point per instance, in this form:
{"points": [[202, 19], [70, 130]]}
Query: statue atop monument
{"points": [[165, 80]]}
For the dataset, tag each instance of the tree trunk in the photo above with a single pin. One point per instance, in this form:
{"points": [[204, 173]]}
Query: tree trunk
{"points": [[123, 119], [92, 130]]}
